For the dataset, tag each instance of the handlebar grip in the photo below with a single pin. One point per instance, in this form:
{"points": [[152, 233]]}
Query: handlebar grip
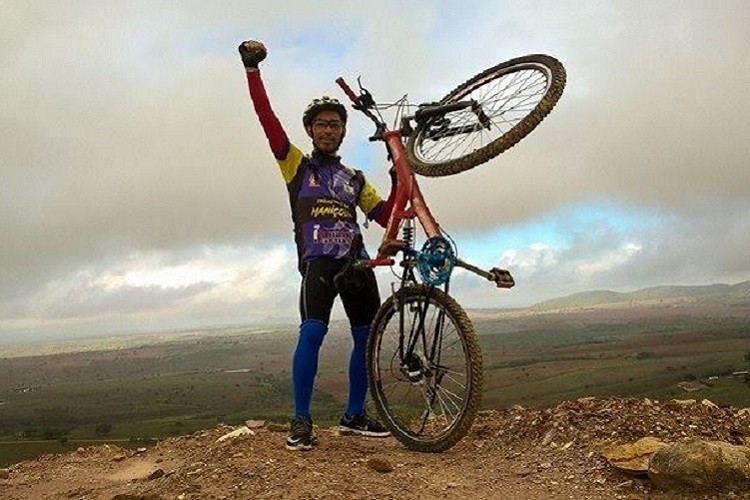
{"points": [[347, 90]]}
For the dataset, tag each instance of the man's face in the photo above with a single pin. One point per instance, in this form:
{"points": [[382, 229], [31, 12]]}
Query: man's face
{"points": [[327, 130]]}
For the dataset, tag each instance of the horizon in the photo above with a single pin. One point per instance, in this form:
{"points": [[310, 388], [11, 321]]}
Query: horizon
{"points": [[337, 318]]}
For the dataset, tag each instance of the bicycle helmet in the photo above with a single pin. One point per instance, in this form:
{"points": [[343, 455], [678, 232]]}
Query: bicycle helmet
{"points": [[324, 103]]}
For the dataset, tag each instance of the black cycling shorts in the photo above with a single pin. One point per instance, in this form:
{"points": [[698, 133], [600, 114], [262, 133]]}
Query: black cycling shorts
{"points": [[318, 292]]}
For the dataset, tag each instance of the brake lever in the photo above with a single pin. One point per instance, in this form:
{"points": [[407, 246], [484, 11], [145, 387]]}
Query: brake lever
{"points": [[365, 99]]}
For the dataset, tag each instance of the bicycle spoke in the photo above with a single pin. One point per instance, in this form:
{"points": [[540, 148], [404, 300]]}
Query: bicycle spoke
{"points": [[443, 412], [452, 398], [447, 412], [448, 372], [504, 101]]}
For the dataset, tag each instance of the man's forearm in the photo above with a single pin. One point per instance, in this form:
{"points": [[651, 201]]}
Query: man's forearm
{"points": [[275, 133]]}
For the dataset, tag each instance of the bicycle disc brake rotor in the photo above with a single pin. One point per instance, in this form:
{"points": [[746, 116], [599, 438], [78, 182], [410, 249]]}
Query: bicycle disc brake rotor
{"points": [[436, 261]]}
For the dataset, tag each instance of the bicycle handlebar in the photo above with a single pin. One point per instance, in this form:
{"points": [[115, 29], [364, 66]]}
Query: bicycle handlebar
{"points": [[347, 89], [363, 103]]}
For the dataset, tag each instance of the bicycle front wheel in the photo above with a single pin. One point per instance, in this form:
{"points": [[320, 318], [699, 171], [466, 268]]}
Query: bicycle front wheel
{"points": [[508, 101], [425, 368]]}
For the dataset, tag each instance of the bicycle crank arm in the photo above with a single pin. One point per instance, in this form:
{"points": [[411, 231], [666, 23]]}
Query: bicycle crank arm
{"points": [[500, 277]]}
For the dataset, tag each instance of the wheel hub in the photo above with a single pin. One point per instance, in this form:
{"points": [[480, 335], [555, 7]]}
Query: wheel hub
{"points": [[415, 368]]}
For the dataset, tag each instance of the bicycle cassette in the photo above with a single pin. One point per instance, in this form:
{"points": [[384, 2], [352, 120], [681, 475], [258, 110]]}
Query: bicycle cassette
{"points": [[436, 261]]}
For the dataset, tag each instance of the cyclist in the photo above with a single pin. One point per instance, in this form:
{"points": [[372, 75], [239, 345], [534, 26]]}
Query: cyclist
{"points": [[323, 194]]}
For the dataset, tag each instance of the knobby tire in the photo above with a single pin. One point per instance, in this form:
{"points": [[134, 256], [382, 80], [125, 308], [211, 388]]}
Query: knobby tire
{"points": [[474, 154]]}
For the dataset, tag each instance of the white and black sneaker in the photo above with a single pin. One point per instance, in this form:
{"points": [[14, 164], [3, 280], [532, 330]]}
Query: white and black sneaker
{"points": [[362, 425], [300, 436]]}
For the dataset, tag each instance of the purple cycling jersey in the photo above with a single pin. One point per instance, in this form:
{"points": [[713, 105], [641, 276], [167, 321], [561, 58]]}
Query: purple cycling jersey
{"points": [[324, 195]]}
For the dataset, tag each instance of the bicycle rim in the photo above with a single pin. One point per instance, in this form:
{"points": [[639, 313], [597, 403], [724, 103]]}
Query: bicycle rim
{"points": [[513, 98], [427, 397]]}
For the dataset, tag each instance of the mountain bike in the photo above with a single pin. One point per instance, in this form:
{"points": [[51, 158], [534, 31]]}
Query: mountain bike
{"points": [[424, 360]]}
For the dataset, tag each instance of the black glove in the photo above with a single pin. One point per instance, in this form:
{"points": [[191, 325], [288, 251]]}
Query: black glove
{"points": [[252, 52]]}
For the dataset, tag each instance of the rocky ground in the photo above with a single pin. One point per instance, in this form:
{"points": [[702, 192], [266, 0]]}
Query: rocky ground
{"points": [[519, 453]]}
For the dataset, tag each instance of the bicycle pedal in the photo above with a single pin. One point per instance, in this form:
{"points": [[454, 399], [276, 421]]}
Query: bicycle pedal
{"points": [[502, 278]]}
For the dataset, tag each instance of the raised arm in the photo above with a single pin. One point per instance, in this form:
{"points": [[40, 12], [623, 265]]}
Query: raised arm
{"points": [[252, 53]]}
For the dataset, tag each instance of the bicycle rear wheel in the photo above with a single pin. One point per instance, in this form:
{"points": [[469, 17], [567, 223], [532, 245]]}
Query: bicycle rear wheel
{"points": [[512, 97], [427, 396]]}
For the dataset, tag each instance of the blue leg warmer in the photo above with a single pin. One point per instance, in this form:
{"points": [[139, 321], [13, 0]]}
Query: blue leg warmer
{"points": [[305, 364], [358, 372]]}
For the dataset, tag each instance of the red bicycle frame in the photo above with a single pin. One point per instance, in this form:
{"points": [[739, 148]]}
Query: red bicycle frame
{"points": [[407, 192]]}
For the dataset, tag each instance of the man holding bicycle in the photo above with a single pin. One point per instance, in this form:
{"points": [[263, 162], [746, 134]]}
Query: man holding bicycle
{"points": [[324, 195]]}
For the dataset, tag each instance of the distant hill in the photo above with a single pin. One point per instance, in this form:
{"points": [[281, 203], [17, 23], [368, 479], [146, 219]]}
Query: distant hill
{"points": [[706, 293]]}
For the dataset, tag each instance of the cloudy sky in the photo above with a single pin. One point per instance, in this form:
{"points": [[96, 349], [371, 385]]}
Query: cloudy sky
{"points": [[137, 191]]}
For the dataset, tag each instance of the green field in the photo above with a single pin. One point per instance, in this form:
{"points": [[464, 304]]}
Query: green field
{"points": [[623, 351], [174, 387]]}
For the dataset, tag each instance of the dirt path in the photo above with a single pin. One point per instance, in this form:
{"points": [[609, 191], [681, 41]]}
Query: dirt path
{"points": [[511, 454]]}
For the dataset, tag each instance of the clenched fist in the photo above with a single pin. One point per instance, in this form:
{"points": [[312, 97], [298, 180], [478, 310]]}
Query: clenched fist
{"points": [[252, 53]]}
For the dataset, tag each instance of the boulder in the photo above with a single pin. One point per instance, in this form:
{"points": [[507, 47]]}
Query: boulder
{"points": [[700, 465], [633, 458]]}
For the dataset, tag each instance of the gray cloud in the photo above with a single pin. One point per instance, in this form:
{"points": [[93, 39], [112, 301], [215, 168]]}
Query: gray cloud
{"points": [[653, 113]]}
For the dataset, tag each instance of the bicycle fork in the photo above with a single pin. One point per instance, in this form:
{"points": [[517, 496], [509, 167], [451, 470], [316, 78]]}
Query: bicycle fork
{"points": [[425, 369]]}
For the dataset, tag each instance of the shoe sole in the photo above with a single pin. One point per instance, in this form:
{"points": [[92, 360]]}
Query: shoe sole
{"points": [[301, 446], [298, 447], [348, 431]]}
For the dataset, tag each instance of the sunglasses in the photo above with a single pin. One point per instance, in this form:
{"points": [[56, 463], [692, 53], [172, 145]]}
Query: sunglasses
{"points": [[335, 125]]}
